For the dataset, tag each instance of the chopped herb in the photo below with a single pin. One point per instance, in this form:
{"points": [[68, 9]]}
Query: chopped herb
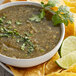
{"points": [[23, 46], [18, 23], [3, 17], [8, 33], [18, 40], [8, 22], [35, 18], [4, 35], [1, 20], [42, 50], [31, 49], [42, 14], [9, 27], [25, 54], [30, 43], [51, 3], [62, 15], [39, 17], [27, 34], [5, 49], [15, 30], [26, 41], [1, 29]]}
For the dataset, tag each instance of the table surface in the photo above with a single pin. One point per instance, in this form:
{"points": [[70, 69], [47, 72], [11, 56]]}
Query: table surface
{"points": [[3, 72]]}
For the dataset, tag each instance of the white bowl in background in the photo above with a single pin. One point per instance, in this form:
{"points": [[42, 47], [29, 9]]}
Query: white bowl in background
{"points": [[1, 1], [32, 61]]}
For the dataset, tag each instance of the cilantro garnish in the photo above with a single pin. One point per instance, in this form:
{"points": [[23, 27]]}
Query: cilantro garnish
{"points": [[23, 39], [35, 18], [18, 23], [9, 22], [1, 20], [23, 46], [62, 15], [28, 34], [9, 32]]}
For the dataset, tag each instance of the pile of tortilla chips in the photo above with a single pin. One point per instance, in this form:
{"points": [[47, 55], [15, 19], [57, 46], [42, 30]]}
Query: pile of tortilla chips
{"points": [[49, 68]]}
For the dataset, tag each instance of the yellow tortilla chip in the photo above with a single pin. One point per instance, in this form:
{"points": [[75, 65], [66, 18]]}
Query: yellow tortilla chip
{"points": [[61, 2], [75, 23], [72, 69], [33, 71], [6, 1], [73, 9], [51, 66], [69, 30], [62, 74]]}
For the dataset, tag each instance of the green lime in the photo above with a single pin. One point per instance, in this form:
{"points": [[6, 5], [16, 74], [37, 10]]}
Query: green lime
{"points": [[67, 60], [69, 45]]}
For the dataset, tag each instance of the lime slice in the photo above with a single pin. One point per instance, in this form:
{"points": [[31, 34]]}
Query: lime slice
{"points": [[69, 45], [67, 60]]}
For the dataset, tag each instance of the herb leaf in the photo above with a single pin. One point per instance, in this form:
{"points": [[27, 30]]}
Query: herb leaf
{"points": [[56, 19], [1, 20], [4, 35], [28, 34], [35, 18], [26, 41], [18, 23], [52, 3], [62, 15], [23, 46], [31, 49], [8, 22], [38, 18], [42, 14]]}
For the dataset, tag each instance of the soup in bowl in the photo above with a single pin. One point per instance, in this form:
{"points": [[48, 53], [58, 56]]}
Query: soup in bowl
{"points": [[23, 41]]}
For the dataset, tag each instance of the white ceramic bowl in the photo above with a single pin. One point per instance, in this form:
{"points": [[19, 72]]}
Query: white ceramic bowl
{"points": [[32, 61], [1, 1]]}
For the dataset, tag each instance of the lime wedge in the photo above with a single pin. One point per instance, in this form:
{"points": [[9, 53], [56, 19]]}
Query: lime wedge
{"points": [[67, 60], [69, 45]]}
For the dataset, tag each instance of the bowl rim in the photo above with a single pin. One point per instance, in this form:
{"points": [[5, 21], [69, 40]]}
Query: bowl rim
{"points": [[3, 6]]}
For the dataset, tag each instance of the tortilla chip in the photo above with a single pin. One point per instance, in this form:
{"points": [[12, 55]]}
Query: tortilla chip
{"points": [[73, 9], [62, 74], [6, 1], [75, 23], [51, 66], [61, 2], [72, 69], [33, 71], [69, 30]]}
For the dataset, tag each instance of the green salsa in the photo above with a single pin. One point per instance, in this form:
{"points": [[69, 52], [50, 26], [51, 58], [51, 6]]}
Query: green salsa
{"points": [[22, 38]]}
